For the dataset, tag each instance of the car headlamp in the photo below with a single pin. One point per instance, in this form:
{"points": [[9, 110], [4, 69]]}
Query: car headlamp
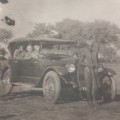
{"points": [[70, 67]]}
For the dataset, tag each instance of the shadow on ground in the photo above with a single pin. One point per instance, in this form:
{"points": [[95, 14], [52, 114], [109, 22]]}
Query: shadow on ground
{"points": [[4, 117], [66, 96], [22, 94], [117, 98]]}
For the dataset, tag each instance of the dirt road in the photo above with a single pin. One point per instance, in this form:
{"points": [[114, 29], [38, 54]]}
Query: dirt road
{"points": [[31, 106]]}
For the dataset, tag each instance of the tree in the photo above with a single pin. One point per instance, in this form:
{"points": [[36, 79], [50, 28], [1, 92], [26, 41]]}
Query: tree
{"points": [[66, 29], [5, 35], [109, 53], [101, 31], [69, 29], [42, 29]]}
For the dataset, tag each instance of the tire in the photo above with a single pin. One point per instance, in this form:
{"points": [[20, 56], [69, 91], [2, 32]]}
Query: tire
{"points": [[109, 90], [5, 85], [51, 87]]}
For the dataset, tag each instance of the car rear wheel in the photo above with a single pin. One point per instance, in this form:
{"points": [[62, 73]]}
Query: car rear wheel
{"points": [[51, 87], [5, 85], [109, 89]]}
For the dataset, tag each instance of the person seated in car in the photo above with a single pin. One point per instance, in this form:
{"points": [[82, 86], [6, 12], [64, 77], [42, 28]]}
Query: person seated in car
{"points": [[28, 54], [36, 52], [18, 52], [22, 53]]}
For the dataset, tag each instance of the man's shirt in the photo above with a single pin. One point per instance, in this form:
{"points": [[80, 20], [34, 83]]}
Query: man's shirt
{"points": [[85, 57]]}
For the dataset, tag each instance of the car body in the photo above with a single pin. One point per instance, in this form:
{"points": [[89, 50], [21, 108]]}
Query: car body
{"points": [[53, 70]]}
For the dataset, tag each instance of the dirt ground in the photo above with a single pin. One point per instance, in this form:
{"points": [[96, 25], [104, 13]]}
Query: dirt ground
{"points": [[30, 105]]}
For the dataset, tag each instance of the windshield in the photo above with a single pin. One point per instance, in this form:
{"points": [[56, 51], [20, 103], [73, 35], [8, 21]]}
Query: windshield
{"points": [[61, 49]]}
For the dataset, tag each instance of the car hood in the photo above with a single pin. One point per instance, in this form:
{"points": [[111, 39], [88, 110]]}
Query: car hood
{"points": [[62, 59]]}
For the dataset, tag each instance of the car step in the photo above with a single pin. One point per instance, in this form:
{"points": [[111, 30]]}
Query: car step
{"points": [[28, 86]]}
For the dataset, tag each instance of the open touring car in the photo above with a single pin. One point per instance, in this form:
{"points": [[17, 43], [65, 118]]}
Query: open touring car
{"points": [[54, 69]]}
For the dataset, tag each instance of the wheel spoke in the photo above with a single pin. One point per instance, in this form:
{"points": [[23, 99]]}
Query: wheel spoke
{"points": [[50, 88]]}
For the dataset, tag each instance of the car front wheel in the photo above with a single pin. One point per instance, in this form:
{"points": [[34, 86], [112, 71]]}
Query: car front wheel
{"points": [[5, 85], [51, 87]]}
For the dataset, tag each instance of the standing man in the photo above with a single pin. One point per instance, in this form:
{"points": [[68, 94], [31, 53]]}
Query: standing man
{"points": [[88, 59]]}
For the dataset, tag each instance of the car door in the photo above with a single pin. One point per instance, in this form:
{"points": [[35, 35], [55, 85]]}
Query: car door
{"points": [[28, 71], [15, 69], [40, 66]]}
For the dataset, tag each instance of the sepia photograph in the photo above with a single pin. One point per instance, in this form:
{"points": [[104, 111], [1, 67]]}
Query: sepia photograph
{"points": [[59, 59]]}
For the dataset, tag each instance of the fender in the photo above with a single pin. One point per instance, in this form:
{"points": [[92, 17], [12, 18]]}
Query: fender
{"points": [[58, 69], [110, 70], [61, 71], [3, 71]]}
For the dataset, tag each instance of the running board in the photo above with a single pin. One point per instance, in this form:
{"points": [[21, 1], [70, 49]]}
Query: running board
{"points": [[28, 86], [36, 89]]}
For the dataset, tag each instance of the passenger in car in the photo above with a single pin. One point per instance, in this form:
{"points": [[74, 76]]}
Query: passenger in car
{"points": [[22, 54], [28, 54], [17, 52], [36, 52]]}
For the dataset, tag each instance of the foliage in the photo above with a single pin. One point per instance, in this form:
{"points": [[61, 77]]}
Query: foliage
{"points": [[102, 32], [41, 29], [5, 35], [69, 29], [109, 52]]}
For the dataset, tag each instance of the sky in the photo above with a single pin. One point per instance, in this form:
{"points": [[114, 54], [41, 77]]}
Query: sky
{"points": [[29, 12]]}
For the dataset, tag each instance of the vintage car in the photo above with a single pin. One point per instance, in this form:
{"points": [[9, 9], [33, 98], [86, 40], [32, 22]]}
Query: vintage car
{"points": [[56, 68]]}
